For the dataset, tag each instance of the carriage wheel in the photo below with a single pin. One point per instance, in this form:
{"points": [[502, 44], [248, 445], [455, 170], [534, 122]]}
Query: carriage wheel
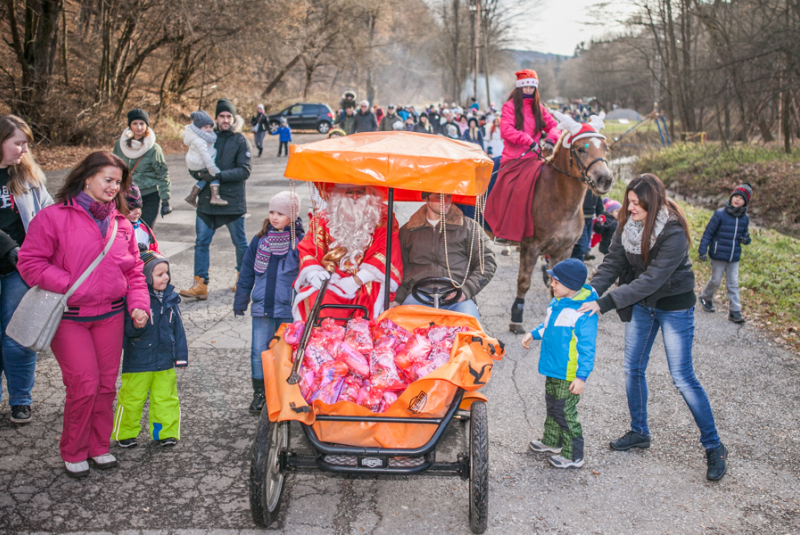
{"points": [[266, 479], [478, 467]]}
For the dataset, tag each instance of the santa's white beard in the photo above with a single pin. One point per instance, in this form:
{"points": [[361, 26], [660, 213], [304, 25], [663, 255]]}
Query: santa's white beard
{"points": [[351, 223]]}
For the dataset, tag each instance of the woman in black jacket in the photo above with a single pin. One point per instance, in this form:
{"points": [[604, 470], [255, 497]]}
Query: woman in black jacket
{"points": [[649, 254]]}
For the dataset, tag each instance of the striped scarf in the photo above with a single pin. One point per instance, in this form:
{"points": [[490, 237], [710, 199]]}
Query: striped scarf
{"points": [[274, 242]]}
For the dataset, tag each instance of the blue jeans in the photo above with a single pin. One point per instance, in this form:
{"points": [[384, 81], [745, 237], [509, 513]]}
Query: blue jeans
{"points": [[677, 331], [203, 240], [17, 363], [465, 307], [263, 330], [584, 242], [202, 183]]}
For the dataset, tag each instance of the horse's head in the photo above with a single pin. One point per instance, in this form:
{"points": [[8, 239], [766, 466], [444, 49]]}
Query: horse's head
{"points": [[587, 150]]}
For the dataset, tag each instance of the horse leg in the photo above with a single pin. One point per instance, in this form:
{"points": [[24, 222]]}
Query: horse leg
{"points": [[528, 254]]}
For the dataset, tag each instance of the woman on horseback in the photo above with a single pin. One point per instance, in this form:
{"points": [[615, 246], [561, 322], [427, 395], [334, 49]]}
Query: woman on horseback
{"points": [[525, 120]]}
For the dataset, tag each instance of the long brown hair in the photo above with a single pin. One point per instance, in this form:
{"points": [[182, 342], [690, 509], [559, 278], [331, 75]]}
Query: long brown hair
{"points": [[27, 171], [519, 100], [652, 197], [90, 166]]}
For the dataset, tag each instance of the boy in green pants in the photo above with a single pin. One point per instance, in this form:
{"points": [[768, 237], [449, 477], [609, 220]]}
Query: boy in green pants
{"points": [[150, 357], [567, 358]]}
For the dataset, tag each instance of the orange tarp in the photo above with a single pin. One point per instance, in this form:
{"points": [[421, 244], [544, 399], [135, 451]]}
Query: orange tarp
{"points": [[470, 367], [407, 161]]}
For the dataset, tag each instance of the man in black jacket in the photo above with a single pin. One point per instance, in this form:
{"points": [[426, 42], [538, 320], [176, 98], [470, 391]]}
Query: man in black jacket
{"points": [[592, 206], [233, 160], [365, 119]]}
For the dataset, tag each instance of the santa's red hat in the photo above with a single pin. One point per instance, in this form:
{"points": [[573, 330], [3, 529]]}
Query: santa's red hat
{"points": [[527, 78]]}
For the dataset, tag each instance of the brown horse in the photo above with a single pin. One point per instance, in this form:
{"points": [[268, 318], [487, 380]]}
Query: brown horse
{"points": [[557, 209]]}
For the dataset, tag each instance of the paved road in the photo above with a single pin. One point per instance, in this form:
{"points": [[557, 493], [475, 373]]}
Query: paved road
{"points": [[201, 485]]}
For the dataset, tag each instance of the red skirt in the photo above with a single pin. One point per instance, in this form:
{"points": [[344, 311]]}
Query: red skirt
{"points": [[508, 208]]}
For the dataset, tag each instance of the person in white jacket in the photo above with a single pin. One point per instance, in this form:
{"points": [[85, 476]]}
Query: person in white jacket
{"points": [[199, 136]]}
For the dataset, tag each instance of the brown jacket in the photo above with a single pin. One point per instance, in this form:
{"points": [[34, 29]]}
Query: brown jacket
{"points": [[423, 252]]}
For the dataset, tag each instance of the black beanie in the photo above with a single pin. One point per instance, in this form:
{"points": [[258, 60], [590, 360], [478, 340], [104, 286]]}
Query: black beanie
{"points": [[138, 114], [224, 104]]}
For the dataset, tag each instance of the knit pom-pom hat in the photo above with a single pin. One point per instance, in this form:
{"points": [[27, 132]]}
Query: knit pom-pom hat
{"points": [[745, 190]]}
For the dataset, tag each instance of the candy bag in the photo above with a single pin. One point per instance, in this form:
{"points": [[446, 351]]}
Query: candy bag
{"points": [[355, 361], [389, 341], [336, 331], [382, 370], [329, 392], [328, 372], [315, 356], [358, 335], [386, 402], [388, 327], [294, 332], [437, 334], [350, 389], [415, 350], [439, 356], [307, 383]]}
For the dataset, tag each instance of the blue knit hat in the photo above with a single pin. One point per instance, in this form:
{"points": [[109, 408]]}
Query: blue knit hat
{"points": [[570, 272], [201, 119]]}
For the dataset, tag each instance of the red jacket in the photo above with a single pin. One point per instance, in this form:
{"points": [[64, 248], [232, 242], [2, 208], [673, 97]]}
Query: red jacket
{"points": [[62, 240], [515, 142]]}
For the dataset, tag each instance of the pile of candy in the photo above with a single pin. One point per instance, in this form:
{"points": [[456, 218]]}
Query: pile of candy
{"points": [[367, 364]]}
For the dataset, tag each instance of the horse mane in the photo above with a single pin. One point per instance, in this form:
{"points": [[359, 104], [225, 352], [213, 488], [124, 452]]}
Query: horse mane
{"points": [[559, 146]]}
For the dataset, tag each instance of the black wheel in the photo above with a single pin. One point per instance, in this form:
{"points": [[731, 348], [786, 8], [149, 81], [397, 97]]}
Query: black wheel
{"points": [[266, 479], [478, 467], [323, 127]]}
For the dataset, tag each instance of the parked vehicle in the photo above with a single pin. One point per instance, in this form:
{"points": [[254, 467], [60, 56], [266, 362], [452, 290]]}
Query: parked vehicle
{"points": [[304, 116]]}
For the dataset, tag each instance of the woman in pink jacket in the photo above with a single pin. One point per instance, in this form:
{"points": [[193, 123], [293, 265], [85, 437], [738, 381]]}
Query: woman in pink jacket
{"points": [[62, 241], [525, 120]]}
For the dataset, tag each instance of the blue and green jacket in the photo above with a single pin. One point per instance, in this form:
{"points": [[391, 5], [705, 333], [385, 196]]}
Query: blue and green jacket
{"points": [[568, 338]]}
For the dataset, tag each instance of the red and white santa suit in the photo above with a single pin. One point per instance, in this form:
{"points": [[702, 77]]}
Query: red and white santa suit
{"points": [[360, 227]]}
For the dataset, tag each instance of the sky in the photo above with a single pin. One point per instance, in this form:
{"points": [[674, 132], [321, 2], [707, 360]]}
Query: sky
{"points": [[557, 26]]}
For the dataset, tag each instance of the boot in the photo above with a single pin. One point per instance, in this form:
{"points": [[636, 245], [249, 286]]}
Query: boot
{"points": [[215, 198], [258, 396], [235, 283], [199, 289], [260, 150], [192, 198]]}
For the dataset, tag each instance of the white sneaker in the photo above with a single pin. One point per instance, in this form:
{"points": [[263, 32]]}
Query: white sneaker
{"points": [[560, 462], [541, 447], [104, 462], [80, 469]]}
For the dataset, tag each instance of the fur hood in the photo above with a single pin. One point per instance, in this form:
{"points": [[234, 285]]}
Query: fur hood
{"points": [[137, 148], [454, 217]]}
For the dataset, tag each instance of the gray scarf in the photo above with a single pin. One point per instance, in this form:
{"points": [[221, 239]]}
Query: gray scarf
{"points": [[208, 137], [632, 233]]}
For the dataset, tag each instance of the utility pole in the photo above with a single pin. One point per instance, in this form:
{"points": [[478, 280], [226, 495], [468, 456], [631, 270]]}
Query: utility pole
{"points": [[476, 24]]}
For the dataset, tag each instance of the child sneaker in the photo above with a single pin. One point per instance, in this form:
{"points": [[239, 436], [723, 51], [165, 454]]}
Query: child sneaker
{"points": [[104, 462], [541, 447], [127, 443], [80, 469], [21, 414], [560, 462], [166, 442]]}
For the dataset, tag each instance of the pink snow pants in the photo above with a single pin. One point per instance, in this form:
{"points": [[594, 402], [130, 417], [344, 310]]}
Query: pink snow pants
{"points": [[89, 354]]}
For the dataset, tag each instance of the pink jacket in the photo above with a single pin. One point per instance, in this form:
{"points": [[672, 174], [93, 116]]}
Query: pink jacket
{"points": [[515, 142], [62, 240]]}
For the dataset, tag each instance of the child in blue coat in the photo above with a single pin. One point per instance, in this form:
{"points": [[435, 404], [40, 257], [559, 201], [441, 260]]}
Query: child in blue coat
{"points": [[569, 341], [150, 356], [286, 136], [722, 241], [269, 268]]}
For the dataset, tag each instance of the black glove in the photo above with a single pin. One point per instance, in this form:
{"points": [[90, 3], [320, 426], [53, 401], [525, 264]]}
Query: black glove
{"points": [[8, 264], [702, 257], [165, 208], [204, 175], [238, 312], [744, 238]]}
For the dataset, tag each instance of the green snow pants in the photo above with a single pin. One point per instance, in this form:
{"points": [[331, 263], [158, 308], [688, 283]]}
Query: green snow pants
{"points": [[165, 409], [561, 427]]}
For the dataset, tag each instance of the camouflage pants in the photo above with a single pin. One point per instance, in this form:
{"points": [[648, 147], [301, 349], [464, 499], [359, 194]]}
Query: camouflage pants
{"points": [[561, 427]]}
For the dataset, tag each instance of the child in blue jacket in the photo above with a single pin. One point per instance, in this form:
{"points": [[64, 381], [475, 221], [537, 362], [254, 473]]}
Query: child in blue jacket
{"points": [[150, 356], [286, 136], [722, 241], [269, 268], [567, 358]]}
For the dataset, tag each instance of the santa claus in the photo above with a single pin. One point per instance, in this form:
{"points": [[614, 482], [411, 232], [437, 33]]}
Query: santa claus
{"points": [[346, 242]]}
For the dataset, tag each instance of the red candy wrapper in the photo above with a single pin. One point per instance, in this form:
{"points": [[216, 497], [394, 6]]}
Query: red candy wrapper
{"points": [[350, 389], [388, 327], [355, 361], [383, 372], [437, 358], [386, 402], [415, 350], [315, 356], [294, 333], [358, 335], [439, 334], [307, 384], [336, 331], [329, 392]]}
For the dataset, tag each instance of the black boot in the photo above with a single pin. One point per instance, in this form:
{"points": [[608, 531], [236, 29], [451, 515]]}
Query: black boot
{"points": [[260, 150], [258, 396]]}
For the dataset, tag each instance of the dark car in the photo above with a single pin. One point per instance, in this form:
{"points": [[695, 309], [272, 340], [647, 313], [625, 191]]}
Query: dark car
{"points": [[304, 116]]}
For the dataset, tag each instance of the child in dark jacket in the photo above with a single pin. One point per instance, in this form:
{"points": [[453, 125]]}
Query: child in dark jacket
{"points": [[605, 225], [269, 268], [150, 356], [722, 241], [145, 238], [285, 136]]}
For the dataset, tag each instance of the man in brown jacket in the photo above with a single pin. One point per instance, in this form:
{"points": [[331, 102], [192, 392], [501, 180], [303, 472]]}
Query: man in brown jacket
{"points": [[423, 246]]}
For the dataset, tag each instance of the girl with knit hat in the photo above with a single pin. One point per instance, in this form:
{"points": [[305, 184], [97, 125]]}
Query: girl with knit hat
{"points": [[137, 147], [525, 121], [145, 238], [151, 354], [199, 136], [722, 240], [269, 269]]}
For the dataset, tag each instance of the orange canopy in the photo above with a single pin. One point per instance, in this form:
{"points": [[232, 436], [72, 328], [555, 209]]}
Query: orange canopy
{"points": [[402, 160]]}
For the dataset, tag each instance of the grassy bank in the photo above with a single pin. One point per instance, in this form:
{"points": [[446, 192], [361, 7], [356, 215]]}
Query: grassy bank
{"points": [[708, 173], [769, 277]]}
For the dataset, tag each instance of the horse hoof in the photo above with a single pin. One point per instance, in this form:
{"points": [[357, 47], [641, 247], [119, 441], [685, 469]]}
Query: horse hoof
{"points": [[516, 328], [506, 251]]}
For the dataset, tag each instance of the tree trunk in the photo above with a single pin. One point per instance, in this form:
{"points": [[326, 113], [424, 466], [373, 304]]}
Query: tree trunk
{"points": [[278, 77]]}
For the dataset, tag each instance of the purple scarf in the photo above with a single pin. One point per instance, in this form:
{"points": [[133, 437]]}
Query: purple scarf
{"points": [[274, 242], [100, 211]]}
